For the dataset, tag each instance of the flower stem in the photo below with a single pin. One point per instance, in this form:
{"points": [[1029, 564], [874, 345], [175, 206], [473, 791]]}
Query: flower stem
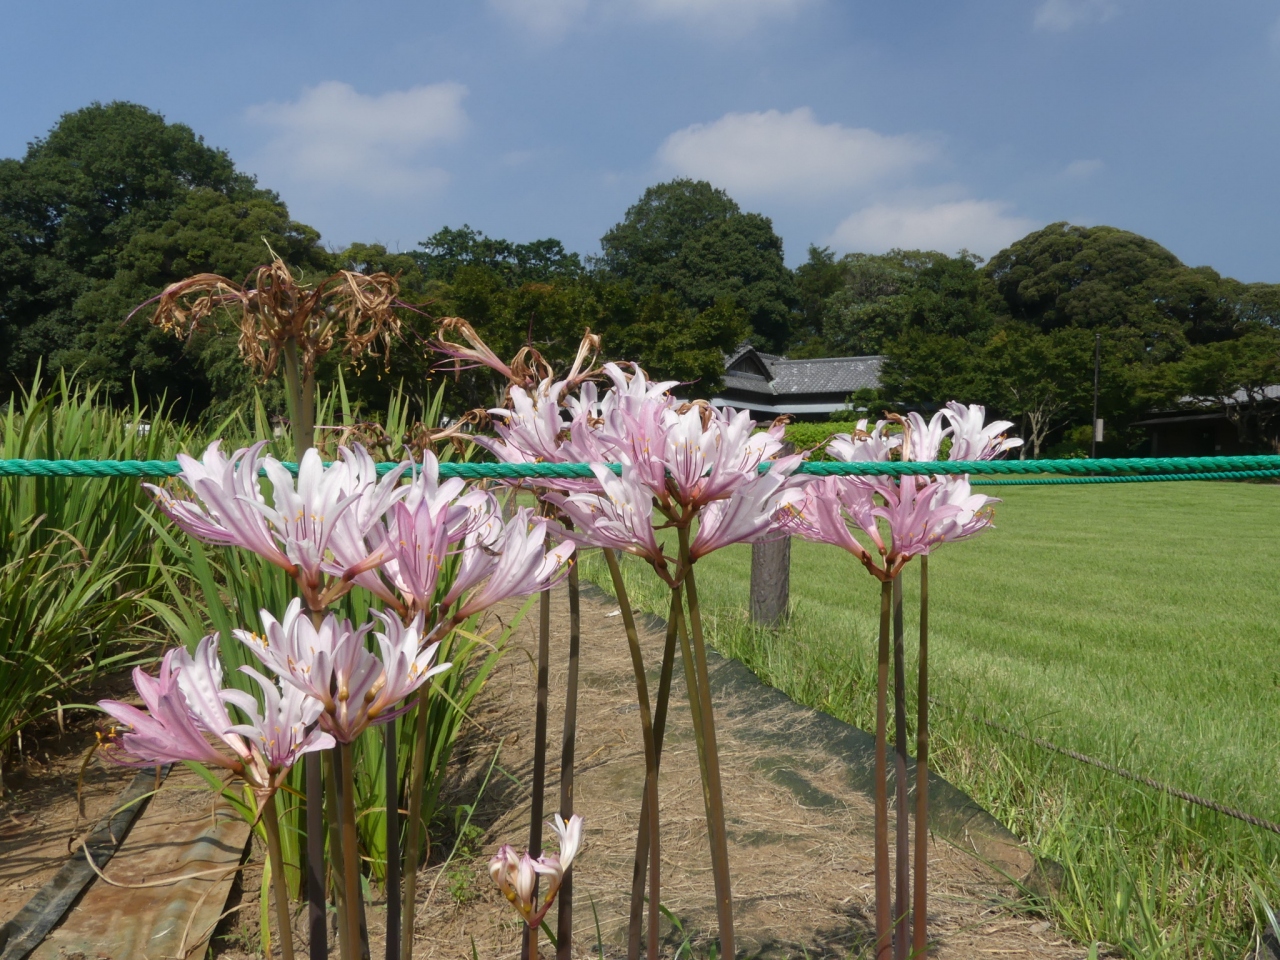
{"points": [[711, 770], [318, 936], [350, 854], [413, 839], [902, 839], [391, 786], [271, 823], [920, 933], [659, 731], [650, 754], [300, 394], [538, 794], [884, 921], [564, 910], [337, 863]]}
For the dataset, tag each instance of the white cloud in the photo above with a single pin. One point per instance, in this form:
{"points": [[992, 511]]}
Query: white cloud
{"points": [[733, 13], [547, 19], [333, 136], [788, 153], [552, 19], [982, 226], [1059, 16], [1082, 169]]}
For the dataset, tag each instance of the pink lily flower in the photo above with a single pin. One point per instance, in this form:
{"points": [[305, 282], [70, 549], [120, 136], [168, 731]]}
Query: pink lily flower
{"points": [[633, 389], [280, 733], [972, 440], [305, 518], [750, 512], [408, 662], [515, 874], [826, 508], [924, 440], [976, 511], [862, 445], [499, 562], [413, 540], [619, 518], [332, 664], [186, 705], [174, 727], [225, 510], [530, 431]]}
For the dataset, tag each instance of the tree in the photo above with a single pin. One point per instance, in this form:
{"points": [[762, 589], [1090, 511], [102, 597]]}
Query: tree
{"points": [[690, 239], [1240, 377], [540, 261], [1102, 277], [816, 280], [1043, 380], [881, 297], [98, 216], [671, 341]]}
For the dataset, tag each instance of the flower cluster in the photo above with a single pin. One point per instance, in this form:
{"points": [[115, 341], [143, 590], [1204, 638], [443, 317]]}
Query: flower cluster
{"points": [[187, 719], [906, 516], [684, 460], [517, 874], [336, 526]]}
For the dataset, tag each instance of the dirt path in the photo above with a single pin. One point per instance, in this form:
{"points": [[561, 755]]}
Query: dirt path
{"points": [[800, 821], [41, 817]]}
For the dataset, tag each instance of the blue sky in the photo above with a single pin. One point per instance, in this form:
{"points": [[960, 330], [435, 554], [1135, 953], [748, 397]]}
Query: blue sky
{"points": [[855, 124]]}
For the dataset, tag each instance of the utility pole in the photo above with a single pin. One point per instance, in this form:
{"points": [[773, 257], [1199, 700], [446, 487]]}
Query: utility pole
{"points": [[1097, 369]]}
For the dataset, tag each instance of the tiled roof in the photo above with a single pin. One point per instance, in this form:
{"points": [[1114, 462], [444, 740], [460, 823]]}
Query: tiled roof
{"points": [[797, 377]]}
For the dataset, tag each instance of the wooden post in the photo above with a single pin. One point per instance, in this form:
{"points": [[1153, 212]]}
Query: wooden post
{"points": [[771, 575]]}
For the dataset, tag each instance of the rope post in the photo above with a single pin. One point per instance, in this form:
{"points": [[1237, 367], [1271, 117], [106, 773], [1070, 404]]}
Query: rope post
{"points": [[771, 574]]}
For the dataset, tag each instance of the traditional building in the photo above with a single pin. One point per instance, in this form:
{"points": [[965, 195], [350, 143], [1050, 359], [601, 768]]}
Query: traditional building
{"points": [[1214, 430], [770, 386]]}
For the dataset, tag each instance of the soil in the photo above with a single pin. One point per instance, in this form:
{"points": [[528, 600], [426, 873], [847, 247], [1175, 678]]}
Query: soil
{"points": [[52, 799]]}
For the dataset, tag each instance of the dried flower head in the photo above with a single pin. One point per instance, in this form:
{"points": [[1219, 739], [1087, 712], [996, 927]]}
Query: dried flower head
{"points": [[273, 308]]}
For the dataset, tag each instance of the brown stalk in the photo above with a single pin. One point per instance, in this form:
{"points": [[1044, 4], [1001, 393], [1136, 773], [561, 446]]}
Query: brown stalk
{"points": [[902, 833], [920, 933], [564, 914], [884, 919]]}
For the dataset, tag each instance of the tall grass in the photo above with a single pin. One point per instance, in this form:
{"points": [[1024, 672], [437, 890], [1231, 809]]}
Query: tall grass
{"points": [[1134, 623], [74, 553], [92, 579]]}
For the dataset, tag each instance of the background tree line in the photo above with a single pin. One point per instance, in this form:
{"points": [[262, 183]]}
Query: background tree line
{"points": [[115, 203]]}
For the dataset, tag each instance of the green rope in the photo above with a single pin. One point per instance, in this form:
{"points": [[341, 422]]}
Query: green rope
{"points": [[1140, 478], [1075, 471]]}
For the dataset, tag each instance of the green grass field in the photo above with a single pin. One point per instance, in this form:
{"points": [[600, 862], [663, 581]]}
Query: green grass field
{"points": [[1138, 623]]}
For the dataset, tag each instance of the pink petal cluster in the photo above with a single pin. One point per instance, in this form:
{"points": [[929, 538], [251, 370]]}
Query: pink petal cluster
{"points": [[516, 874], [331, 664], [907, 516], [313, 526], [414, 536], [500, 561], [187, 719], [685, 460]]}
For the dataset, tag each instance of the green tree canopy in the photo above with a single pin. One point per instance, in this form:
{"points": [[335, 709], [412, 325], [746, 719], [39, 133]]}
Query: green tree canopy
{"points": [[687, 238], [111, 206], [884, 296], [1094, 277], [540, 261], [1239, 377]]}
